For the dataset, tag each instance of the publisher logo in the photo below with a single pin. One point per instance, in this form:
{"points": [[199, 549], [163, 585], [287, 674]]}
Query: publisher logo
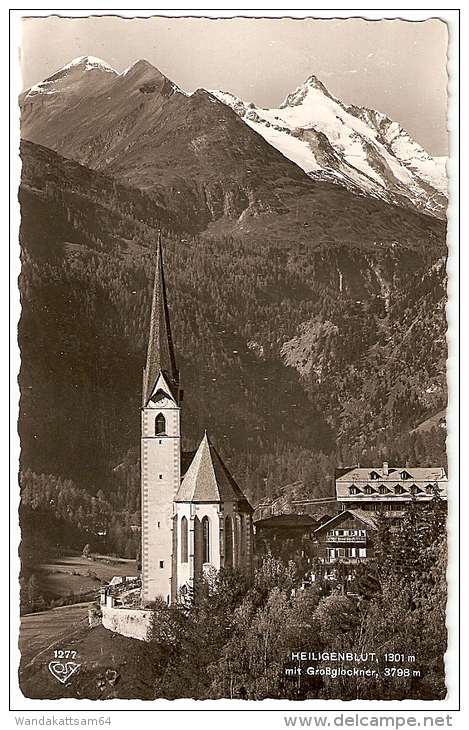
{"points": [[62, 670]]}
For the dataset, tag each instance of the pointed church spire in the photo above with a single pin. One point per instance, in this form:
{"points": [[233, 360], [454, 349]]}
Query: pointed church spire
{"points": [[160, 353]]}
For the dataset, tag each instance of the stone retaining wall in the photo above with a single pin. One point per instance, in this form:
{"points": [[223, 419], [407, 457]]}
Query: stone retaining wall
{"points": [[129, 622]]}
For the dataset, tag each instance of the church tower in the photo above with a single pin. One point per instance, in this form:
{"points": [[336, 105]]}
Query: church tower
{"points": [[203, 521], [160, 447]]}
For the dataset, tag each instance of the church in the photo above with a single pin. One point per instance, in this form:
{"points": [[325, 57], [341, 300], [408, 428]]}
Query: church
{"points": [[193, 520]]}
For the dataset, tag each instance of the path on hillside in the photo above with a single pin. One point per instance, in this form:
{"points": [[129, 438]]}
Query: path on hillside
{"points": [[40, 632]]}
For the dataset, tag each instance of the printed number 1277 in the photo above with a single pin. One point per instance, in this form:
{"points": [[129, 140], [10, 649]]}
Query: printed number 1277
{"points": [[64, 654]]}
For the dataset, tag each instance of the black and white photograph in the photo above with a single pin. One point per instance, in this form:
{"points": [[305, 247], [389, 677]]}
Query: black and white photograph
{"points": [[235, 265]]}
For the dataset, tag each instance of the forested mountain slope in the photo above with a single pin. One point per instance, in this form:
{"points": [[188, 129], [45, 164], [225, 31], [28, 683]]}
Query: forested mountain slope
{"points": [[297, 352]]}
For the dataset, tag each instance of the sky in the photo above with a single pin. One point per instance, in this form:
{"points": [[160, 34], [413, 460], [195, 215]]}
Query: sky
{"points": [[397, 66]]}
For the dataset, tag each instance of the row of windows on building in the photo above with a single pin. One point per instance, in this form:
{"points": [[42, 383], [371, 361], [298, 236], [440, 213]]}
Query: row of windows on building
{"points": [[386, 506], [346, 533], [348, 552], [383, 489]]}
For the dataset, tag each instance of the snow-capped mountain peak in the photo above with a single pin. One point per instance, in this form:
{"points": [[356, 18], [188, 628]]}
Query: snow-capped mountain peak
{"points": [[89, 63], [298, 96], [358, 148], [70, 75]]}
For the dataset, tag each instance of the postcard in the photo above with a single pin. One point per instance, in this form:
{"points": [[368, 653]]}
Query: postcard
{"points": [[236, 278]]}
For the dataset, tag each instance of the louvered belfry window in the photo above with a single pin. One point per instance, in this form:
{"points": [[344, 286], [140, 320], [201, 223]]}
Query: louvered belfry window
{"points": [[160, 424]]}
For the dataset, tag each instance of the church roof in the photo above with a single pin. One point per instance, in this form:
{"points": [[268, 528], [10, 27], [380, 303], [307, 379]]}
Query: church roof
{"points": [[160, 353], [208, 479]]}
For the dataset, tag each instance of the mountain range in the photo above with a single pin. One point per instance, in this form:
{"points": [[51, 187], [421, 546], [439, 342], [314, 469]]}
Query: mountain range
{"points": [[140, 110]]}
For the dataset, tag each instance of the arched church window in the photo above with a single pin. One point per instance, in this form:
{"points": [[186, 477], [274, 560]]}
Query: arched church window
{"points": [[228, 541], [160, 424], [205, 540], [184, 540]]}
